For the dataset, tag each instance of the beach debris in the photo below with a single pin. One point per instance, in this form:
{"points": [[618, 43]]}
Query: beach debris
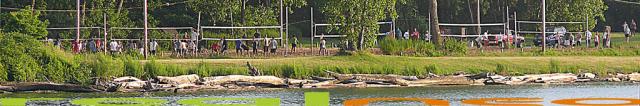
{"points": [[183, 79]]}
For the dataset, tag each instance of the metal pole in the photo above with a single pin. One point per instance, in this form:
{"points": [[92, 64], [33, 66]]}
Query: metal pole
{"points": [[77, 24], [515, 22], [544, 26], [199, 33], [478, 18], [286, 28], [105, 32], [313, 31], [146, 30], [281, 23]]}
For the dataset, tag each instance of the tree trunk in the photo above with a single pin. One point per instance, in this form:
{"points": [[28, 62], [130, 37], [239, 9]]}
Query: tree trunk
{"points": [[435, 25], [120, 7], [361, 39]]}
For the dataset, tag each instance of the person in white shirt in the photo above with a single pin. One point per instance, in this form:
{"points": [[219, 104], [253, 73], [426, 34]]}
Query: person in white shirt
{"points": [[406, 35], [627, 31], [113, 46], [588, 35], [153, 46]]}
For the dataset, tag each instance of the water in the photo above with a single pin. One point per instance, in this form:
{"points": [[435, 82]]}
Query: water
{"points": [[453, 94]]}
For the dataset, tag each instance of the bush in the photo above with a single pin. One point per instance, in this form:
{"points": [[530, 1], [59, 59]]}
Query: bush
{"points": [[19, 52], [455, 47], [411, 47], [152, 69]]}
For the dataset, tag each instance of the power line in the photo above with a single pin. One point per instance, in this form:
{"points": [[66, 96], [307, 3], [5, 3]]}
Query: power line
{"points": [[131, 8]]}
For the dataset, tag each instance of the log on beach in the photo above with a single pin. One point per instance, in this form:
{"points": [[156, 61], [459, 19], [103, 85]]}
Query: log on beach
{"points": [[395, 79], [41, 86], [235, 79], [183, 79]]}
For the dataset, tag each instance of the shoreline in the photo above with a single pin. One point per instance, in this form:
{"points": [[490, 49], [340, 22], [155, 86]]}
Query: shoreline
{"points": [[194, 83]]}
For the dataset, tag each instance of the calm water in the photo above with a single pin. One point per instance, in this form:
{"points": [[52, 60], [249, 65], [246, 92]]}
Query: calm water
{"points": [[454, 94]]}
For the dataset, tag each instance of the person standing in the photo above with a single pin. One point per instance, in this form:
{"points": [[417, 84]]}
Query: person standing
{"points": [[239, 47], [398, 33], [406, 35], [274, 45], [597, 40], [265, 48], [634, 27], [153, 46], [607, 37], [416, 34], [113, 47], [323, 47], [225, 45], [92, 46], [627, 31], [294, 44], [256, 42], [588, 38]]}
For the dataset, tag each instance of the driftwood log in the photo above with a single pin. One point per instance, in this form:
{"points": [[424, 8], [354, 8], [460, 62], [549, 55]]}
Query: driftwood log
{"points": [[245, 80], [42, 86], [370, 78], [178, 80]]}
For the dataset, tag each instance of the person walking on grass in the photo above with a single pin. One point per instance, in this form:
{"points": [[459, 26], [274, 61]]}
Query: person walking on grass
{"points": [[113, 47], [294, 44], [256, 42], [588, 35], [323, 47], [627, 31]]}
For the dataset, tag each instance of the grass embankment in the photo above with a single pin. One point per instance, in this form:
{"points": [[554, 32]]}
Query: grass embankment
{"points": [[304, 67]]}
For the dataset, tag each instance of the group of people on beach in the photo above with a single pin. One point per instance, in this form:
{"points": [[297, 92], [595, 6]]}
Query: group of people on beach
{"points": [[591, 40], [246, 45]]}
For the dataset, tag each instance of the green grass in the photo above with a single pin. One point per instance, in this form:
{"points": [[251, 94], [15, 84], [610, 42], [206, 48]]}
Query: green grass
{"points": [[304, 67]]}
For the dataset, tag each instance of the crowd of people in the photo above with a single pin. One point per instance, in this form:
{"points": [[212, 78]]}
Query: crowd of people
{"points": [[188, 44]]}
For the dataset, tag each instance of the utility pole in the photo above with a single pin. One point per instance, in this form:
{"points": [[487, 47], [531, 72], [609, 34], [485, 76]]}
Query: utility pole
{"points": [[77, 41], [313, 31], [544, 26], [105, 32], [146, 30], [478, 18]]}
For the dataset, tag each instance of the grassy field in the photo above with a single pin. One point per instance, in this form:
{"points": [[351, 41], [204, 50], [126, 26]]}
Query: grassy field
{"points": [[302, 67]]}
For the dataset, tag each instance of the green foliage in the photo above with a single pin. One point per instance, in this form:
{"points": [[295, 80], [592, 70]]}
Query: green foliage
{"points": [[104, 66], [455, 47], [359, 18], [18, 55], [554, 67], [133, 68], [407, 47], [25, 21]]}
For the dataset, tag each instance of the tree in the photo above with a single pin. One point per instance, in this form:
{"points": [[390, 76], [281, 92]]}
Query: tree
{"points": [[359, 17], [25, 21]]}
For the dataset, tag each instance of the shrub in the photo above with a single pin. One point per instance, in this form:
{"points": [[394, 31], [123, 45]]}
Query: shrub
{"points": [[455, 47], [401, 47], [435, 70], [554, 67]]}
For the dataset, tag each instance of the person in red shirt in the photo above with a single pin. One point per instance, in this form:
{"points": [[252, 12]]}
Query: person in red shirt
{"points": [[416, 34], [75, 47], [215, 48]]}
